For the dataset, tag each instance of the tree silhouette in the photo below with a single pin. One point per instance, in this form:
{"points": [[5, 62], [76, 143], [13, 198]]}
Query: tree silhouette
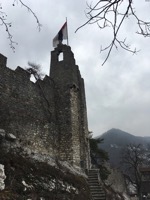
{"points": [[134, 157], [35, 70], [99, 157]]}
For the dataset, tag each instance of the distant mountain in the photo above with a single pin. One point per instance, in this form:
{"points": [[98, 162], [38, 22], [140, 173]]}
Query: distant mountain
{"points": [[115, 140]]}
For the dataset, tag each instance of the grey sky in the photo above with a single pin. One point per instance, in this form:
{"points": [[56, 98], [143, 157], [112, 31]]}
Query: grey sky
{"points": [[117, 93]]}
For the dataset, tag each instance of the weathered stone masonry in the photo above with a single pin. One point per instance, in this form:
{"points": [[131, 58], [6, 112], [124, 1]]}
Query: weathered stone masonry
{"points": [[48, 116]]}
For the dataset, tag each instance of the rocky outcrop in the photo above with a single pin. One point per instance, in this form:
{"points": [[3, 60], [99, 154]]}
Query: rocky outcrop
{"points": [[37, 176], [115, 186], [2, 177]]}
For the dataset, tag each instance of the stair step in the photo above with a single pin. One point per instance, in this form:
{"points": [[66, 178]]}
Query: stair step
{"points": [[96, 189], [93, 173], [99, 198], [94, 195], [94, 185], [93, 181], [94, 176], [98, 194]]}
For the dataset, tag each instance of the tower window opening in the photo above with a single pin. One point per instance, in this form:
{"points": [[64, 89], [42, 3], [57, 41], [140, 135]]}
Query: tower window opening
{"points": [[61, 56]]}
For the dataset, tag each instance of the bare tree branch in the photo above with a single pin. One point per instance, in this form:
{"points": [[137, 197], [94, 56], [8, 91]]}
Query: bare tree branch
{"points": [[8, 25], [133, 157], [113, 14], [31, 11]]}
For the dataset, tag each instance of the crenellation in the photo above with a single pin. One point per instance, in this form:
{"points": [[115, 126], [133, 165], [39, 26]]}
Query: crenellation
{"points": [[3, 60], [23, 73], [49, 116]]}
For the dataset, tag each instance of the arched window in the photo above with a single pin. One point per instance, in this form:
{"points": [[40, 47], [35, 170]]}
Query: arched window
{"points": [[60, 56]]}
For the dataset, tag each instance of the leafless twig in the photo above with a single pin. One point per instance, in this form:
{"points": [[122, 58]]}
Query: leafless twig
{"points": [[112, 14], [8, 25], [31, 11]]}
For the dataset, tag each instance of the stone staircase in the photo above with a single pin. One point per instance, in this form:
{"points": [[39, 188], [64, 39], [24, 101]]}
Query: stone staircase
{"points": [[96, 189]]}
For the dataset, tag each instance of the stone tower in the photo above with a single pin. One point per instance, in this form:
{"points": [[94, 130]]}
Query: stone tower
{"points": [[70, 105]]}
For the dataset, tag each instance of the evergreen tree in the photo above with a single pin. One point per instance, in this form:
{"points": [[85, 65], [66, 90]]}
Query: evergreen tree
{"points": [[99, 157]]}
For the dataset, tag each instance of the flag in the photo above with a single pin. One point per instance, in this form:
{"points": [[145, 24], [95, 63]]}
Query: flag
{"points": [[61, 35]]}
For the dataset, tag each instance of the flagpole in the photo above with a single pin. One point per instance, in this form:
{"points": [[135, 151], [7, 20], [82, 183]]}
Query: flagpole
{"points": [[67, 32]]}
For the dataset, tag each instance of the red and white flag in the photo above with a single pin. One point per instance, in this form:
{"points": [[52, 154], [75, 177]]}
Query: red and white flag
{"points": [[61, 35]]}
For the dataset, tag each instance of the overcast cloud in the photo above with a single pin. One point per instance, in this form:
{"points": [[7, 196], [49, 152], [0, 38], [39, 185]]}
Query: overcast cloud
{"points": [[117, 93]]}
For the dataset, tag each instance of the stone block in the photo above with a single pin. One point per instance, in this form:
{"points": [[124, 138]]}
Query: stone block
{"points": [[2, 134]]}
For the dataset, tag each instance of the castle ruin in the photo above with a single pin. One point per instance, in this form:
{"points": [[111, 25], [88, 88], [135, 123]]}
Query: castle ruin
{"points": [[48, 116]]}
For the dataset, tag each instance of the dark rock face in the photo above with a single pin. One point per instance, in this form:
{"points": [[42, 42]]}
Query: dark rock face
{"points": [[38, 177]]}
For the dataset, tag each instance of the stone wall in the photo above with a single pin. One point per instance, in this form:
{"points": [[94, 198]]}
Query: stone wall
{"points": [[48, 116], [71, 107], [26, 109]]}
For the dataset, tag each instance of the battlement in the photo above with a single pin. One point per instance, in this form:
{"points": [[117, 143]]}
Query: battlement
{"points": [[23, 73], [20, 72]]}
